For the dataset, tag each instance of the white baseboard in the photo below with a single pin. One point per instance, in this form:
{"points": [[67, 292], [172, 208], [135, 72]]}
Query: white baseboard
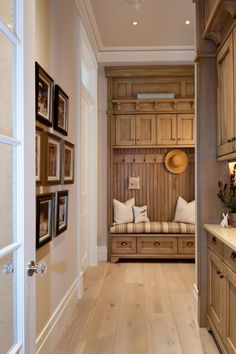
{"points": [[84, 263], [195, 292], [102, 253], [47, 339], [81, 285]]}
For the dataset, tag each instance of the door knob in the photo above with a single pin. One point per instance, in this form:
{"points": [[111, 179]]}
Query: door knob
{"points": [[38, 268]]}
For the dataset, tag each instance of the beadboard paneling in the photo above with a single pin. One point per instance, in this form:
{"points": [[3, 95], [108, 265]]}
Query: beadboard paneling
{"points": [[159, 188]]}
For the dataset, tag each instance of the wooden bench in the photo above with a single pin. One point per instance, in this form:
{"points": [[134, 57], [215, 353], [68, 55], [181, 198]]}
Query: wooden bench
{"points": [[167, 240]]}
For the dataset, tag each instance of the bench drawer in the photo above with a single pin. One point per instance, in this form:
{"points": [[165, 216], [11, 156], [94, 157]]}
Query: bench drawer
{"points": [[154, 245], [186, 245], [216, 245], [230, 257], [123, 245]]}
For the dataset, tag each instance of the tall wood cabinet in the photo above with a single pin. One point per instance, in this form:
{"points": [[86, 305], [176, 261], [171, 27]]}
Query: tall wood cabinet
{"points": [[222, 293], [226, 104]]}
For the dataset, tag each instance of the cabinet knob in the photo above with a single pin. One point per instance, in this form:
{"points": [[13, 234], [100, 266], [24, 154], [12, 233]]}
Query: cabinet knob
{"points": [[124, 243], [233, 256], [222, 276], [190, 244], [218, 272], [229, 141], [214, 241], [156, 244]]}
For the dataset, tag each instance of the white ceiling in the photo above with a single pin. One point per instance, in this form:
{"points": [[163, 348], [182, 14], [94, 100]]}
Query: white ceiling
{"points": [[161, 23], [161, 36]]}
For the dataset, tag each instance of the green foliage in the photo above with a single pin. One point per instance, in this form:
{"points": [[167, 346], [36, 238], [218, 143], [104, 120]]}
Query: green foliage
{"points": [[227, 196]]}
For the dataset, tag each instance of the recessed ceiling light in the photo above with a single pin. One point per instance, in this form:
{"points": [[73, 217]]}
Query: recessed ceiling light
{"points": [[187, 22], [135, 23]]}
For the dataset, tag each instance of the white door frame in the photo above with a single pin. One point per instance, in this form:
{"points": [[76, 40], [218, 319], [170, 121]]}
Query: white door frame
{"points": [[85, 52], [28, 111]]}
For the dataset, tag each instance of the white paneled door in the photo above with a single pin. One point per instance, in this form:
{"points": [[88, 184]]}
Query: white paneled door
{"points": [[17, 181]]}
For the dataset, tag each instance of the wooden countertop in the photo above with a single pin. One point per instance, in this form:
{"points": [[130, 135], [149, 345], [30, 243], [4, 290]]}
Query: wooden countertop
{"points": [[227, 236]]}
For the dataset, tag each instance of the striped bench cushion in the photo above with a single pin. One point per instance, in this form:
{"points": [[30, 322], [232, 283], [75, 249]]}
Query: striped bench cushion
{"points": [[153, 227]]}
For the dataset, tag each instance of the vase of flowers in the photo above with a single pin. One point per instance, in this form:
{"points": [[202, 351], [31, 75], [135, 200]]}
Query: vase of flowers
{"points": [[227, 196]]}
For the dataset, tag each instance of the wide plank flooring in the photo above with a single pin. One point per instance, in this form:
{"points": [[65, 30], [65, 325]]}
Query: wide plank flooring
{"points": [[136, 308]]}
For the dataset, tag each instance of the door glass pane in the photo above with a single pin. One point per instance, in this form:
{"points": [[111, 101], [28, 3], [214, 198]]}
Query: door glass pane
{"points": [[7, 306], [7, 8], [6, 85], [6, 193]]}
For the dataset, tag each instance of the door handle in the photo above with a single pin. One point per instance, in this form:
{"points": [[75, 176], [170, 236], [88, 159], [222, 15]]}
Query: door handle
{"points": [[38, 268]]}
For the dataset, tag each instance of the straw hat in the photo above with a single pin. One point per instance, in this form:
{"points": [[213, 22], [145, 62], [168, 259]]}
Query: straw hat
{"points": [[176, 161]]}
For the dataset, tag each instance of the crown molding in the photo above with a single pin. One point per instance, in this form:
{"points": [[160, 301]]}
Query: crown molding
{"points": [[158, 57], [85, 17]]}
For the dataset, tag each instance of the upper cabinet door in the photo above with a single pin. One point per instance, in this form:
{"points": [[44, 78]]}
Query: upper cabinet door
{"points": [[186, 129], [125, 130], [146, 129], [225, 98], [166, 129]]}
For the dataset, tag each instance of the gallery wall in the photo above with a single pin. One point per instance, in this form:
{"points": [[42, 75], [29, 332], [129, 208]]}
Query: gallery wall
{"points": [[56, 51]]}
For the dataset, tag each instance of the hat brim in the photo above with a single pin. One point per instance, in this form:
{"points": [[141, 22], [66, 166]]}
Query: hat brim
{"points": [[184, 161]]}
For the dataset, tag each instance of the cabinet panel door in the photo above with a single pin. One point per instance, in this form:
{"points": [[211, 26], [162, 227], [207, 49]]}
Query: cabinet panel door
{"points": [[215, 291], [146, 129], [125, 130], [186, 129], [166, 129], [225, 97], [229, 335]]}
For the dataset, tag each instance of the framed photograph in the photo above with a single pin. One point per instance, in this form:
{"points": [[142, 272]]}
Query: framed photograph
{"points": [[39, 155], [61, 109], [43, 95], [44, 218], [68, 162], [61, 212], [53, 159]]}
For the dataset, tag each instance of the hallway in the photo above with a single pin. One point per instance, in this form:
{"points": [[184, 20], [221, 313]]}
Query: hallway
{"points": [[136, 308]]}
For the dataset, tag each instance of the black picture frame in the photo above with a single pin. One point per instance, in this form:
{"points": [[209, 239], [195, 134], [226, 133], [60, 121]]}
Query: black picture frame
{"points": [[44, 218], [68, 159], [53, 160], [62, 212], [43, 96], [61, 110], [39, 155]]}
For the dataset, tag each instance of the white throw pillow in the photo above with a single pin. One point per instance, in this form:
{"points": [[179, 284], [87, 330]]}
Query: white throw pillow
{"points": [[185, 212], [123, 212], [140, 214]]}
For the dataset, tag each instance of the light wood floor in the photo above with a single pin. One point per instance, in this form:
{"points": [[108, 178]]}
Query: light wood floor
{"points": [[136, 308]]}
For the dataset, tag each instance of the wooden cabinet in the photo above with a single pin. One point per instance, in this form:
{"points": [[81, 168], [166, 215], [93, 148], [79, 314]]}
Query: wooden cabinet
{"points": [[229, 329], [136, 129], [222, 295], [225, 95], [175, 129], [169, 246], [216, 284]]}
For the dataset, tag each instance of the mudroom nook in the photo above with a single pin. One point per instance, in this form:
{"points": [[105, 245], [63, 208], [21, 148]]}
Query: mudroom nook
{"points": [[151, 137]]}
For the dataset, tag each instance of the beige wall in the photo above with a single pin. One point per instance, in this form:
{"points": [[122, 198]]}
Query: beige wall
{"points": [[56, 45], [102, 158]]}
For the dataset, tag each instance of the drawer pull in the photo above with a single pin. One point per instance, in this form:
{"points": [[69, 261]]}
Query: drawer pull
{"points": [[156, 244], [214, 241], [124, 243], [233, 256], [190, 244]]}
